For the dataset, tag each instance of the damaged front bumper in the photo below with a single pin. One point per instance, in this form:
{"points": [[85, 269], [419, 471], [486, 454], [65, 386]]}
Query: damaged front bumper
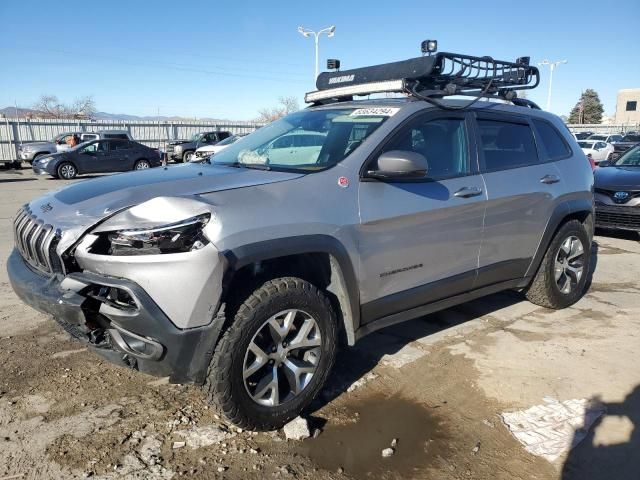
{"points": [[119, 321]]}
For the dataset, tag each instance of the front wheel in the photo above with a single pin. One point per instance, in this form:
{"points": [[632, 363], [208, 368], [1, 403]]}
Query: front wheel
{"points": [[562, 276], [275, 356], [142, 164], [187, 156], [67, 171]]}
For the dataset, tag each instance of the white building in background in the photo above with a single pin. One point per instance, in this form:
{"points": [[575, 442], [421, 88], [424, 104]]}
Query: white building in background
{"points": [[628, 106]]}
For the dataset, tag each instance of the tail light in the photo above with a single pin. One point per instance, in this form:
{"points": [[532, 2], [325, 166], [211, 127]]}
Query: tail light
{"points": [[591, 162]]}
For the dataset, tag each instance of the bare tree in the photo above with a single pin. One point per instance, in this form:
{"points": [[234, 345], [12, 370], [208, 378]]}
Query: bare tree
{"points": [[286, 105], [50, 106]]}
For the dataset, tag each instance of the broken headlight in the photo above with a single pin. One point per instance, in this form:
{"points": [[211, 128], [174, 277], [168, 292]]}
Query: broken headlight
{"points": [[179, 237]]}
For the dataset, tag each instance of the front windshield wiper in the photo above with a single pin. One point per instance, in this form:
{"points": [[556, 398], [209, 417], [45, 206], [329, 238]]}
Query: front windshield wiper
{"points": [[254, 166]]}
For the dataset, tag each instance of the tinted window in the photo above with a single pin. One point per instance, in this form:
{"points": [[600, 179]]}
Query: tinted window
{"points": [[120, 145], [122, 136], [443, 142], [552, 141], [283, 142], [506, 145], [631, 138], [631, 106], [309, 140]]}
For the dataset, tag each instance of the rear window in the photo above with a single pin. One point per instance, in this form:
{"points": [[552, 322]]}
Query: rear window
{"points": [[121, 136], [552, 142], [506, 145]]}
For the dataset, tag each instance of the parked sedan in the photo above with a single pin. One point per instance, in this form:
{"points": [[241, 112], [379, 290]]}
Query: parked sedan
{"points": [[98, 156], [603, 137], [598, 151], [617, 192]]}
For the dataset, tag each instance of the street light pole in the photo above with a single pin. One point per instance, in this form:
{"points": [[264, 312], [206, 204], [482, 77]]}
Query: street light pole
{"points": [[329, 31], [552, 67]]}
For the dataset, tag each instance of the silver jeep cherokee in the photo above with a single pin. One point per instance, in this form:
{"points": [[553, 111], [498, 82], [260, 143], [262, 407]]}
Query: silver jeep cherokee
{"points": [[348, 216]]}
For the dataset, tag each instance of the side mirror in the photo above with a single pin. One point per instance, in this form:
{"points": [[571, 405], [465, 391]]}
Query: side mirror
{"points": [[604, 163], [400, 164]]}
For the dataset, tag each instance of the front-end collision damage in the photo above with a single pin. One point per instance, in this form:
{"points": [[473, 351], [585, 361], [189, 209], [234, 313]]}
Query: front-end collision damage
{"points": [[186, 285]]}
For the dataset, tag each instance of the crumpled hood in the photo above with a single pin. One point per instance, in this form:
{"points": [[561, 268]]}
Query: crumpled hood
{"points": [[617, 178], [77, 207]]}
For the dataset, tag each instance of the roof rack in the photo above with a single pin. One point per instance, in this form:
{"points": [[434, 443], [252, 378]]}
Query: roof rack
{"points": [[432, 77]]}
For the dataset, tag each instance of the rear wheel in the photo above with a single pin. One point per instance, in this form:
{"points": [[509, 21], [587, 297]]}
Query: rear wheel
{"points": [[66, 171], [562, 276], [275, 356], [142, 164]]}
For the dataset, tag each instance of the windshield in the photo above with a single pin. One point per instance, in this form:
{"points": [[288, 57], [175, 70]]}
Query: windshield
{"points": [[195, 137], [228, 140], [308, 140], [630, 159], [602, 138], [631, 138], [584, 144]]}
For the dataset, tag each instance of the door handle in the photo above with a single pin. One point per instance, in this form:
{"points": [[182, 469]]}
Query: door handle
{"points": [[549, 179], [467, 192]]}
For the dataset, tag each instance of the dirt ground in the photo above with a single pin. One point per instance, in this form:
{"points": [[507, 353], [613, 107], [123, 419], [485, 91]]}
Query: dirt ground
{"points": [[437, 385]]}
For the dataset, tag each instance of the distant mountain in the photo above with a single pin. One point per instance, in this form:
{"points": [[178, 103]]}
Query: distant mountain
{"points": [[10, 112]]}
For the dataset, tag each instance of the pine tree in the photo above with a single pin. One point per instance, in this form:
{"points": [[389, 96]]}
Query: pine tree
{"points": [[589, 108]]}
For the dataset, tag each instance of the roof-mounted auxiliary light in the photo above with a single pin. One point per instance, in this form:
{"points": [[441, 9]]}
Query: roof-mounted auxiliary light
{"points": [[429, 46], [333, 64]]}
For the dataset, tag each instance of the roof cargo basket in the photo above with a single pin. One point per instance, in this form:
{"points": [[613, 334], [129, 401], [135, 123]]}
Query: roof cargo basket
{"points": [[432, 77]]}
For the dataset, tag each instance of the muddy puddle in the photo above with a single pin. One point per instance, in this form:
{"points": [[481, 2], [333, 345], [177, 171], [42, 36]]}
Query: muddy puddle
{"points": [[356, 446]]}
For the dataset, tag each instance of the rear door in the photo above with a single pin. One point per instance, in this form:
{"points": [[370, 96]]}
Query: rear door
{"points": [[522, 188], [420, 238], [121, 154]]}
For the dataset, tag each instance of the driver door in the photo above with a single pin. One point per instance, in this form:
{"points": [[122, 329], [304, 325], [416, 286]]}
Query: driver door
{"points": [[419, 239], [94, 158]]}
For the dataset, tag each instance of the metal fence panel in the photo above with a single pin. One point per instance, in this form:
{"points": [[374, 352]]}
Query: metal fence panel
{"points": [[151, 133]]}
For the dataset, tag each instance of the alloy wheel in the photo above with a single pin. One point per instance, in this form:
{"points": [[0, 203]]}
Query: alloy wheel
{"points": [[282, 357], [569, 264], [67, 171], [142, 165]]}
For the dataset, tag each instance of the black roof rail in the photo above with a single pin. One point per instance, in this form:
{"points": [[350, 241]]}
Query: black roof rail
{"points": [[432, 77]]}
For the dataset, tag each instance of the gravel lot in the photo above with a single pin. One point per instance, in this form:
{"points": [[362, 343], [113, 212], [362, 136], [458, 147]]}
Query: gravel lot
{"points": [[437, 385]]}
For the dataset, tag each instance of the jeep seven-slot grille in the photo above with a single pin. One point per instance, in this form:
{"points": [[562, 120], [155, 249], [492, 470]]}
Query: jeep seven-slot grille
{"points": [[37, 242]]}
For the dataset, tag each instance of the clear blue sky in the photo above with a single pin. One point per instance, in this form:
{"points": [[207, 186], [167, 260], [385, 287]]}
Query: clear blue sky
{"points": [[229, 59]]}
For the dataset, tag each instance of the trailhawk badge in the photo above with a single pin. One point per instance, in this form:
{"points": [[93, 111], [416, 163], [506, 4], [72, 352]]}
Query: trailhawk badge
{"points": [[343, 182]]}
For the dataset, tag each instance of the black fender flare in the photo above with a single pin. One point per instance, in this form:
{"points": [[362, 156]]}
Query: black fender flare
{"points": [[270, 249], [564, 210]]}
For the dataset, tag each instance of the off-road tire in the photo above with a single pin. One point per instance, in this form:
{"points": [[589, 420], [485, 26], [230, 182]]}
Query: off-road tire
{"points": [[544, 290], [224, 384]]}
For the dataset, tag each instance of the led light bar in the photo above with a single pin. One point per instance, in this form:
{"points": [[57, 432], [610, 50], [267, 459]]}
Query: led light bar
{"points": [[361, 89]]}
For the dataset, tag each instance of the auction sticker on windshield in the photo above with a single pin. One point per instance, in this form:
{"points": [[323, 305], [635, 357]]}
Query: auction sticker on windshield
{"points": [[379, 111]]}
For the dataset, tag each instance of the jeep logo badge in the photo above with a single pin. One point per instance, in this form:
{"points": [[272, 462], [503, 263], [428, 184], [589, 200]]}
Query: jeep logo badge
{"points": [[46, 207], [621, 195]]}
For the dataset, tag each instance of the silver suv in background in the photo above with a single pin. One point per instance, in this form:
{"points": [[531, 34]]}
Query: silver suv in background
{"points": [[242, 274]]}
